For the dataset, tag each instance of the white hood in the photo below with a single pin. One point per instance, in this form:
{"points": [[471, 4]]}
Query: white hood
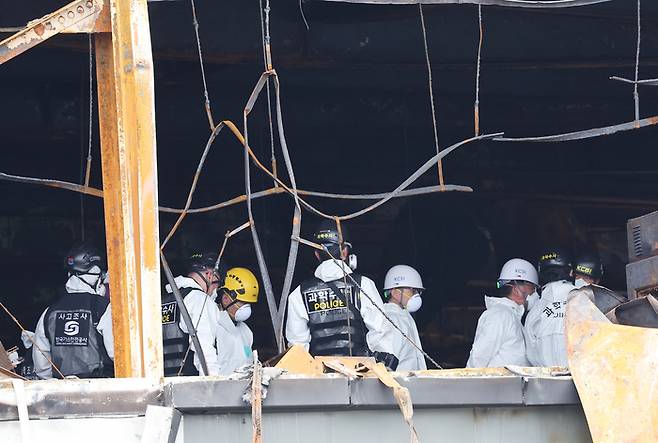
{"points": [[76, 283], [187, 282], [331, 269], [505, 303]]}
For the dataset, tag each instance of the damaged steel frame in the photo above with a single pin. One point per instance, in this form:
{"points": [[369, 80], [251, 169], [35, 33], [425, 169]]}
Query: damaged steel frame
{"points": [[508, 3], [79, 16], [124, 65]]}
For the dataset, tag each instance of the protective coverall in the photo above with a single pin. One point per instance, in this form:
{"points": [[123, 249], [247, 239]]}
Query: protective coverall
{"points": [[411, 359], [234, 341], [74, 285], [205, 316], [499, 335], [297, 329], [544, 325]]}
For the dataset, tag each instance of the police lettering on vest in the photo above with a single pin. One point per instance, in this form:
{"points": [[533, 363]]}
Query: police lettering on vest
{"points": [[335, 320], [178, 358]]}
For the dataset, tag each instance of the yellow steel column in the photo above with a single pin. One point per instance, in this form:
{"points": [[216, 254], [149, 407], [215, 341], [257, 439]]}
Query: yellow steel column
{"points": [[128, 152]]}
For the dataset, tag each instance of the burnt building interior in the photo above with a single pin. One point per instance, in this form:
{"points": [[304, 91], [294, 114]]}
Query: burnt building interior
{"points": [[358, 120]]}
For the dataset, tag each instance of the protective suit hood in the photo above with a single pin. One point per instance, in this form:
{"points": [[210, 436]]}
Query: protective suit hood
{"points": [[503, 302], [187, 282], [331, 269], [89, 283], [499, 336]]}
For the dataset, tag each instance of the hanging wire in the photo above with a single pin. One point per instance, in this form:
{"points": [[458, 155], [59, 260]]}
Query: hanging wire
{"points": [[477, 76], [267, 42], [262, 265], [87, 172], [301, 11], [341, 244], [636, 95], [347, 275], [29, 336], [195, 180], [431, 92], [195, 23], [265, 35], [91, 109]]}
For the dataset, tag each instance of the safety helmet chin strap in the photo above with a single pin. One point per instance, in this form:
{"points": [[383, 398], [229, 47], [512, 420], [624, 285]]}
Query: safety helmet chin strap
{"points": [[205, 280], [228, 294], [79, 275]]}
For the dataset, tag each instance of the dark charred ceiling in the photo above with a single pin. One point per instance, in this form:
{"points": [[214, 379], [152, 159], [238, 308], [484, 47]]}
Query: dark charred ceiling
{"points": [[357, 115]]}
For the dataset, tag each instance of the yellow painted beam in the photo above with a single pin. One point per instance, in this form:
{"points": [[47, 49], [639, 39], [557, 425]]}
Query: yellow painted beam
{"points": [[128, 152]]}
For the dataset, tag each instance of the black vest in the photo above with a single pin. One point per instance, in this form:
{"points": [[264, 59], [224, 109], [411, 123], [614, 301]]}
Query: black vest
{"points": [[335, 320], [76, 347], [175, 342]]}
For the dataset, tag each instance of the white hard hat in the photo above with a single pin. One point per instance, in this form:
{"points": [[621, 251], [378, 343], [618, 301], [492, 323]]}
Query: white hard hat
{"points": [[402, 276], [519, 269]]}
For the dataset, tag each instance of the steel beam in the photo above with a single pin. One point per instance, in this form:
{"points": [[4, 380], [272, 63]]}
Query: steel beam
{"points": [[128, 151], [78, 16]]}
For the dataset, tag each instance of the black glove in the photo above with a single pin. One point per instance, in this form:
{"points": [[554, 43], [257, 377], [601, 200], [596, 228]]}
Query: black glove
{"points": [[390, 361]]}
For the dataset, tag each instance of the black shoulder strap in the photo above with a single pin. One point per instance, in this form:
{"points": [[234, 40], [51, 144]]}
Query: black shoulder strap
{"points": [[98, 306], [185, 291]]}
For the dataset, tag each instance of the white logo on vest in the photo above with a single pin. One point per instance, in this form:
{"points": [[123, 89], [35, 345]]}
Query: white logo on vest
{"points": [[71, 328]]}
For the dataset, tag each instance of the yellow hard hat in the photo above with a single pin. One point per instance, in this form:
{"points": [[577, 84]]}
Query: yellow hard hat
{"points": [[241, 284]]}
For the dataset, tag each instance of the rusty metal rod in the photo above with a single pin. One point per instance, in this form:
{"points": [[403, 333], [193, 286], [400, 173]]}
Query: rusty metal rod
{"points": [[636, 94], [185, 314], [29, 336], [296, 218], [507, 3], [239, 199], [589, 133], [52, 184], [430, 85], [646, 82], [195, 180], [476, 105], [262, 265]]}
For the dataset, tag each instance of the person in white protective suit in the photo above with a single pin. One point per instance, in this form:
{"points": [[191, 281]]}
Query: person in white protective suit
{"points": [[587, 273], [75, 332], [499, 335], [403, 287], [199, 290], [544, 332], [338, 312], [587, 269], [234, 338]]}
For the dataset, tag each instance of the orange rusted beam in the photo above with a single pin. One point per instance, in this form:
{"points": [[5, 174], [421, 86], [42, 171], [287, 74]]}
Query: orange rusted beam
{"points": [[78, 16], [128, 149]]}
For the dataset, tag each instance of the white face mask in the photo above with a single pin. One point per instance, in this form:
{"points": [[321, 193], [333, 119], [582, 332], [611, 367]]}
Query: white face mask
{"points": [[579, 283], [414, 303], [532, 300], [93, 279], [243, 313]]}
